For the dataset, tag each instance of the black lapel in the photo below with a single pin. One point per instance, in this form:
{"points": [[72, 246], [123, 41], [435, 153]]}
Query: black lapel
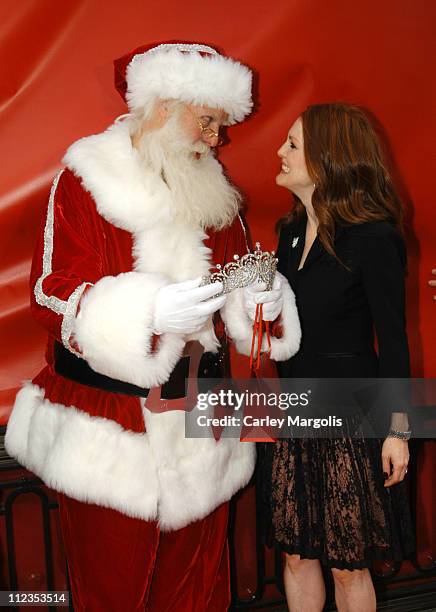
{"points": [[297, 238], [299, 241], [318, 250]]}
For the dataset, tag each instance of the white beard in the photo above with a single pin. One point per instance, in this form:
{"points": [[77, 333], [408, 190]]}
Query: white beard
{"points": [[203, 195]]}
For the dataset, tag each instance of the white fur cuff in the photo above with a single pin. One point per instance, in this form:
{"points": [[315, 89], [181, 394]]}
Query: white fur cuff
{"points": [[240, 327], [114, 330]]}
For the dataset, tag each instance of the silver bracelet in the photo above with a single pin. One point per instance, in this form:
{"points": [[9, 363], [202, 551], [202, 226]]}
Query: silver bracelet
{"points": [[400, 435]]}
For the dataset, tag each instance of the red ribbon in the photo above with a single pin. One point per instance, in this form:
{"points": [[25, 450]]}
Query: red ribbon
{"points": [[258, 329]]}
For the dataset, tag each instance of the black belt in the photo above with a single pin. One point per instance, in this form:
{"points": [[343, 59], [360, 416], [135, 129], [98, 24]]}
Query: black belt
{"points": [[74, 368], [77, 369]]}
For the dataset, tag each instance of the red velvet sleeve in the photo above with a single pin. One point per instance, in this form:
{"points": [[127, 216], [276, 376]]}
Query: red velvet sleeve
{"points": [[66, 261]]}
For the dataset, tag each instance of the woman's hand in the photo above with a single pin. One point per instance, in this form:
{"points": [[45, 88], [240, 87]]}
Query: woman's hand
{"points": [[272, 300], [395, 458]]}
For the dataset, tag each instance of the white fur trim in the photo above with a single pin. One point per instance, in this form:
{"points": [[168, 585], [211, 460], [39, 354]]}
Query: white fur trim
{"points": [[175, 251], [209, 80], [156, 475], [195, 474], [114, 330], [285, 347], [240, 327], [91, 459], [124, 193]]}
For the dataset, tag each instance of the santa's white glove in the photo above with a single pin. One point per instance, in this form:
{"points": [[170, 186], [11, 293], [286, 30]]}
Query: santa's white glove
{"points": [[181, 308], [272, 300]]}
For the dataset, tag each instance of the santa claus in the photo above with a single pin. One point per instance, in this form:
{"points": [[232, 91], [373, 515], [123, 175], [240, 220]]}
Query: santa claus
{"points": [[135, 220]]}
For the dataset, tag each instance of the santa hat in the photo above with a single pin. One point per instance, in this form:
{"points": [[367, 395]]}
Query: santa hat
{"points": [[193, 73]]}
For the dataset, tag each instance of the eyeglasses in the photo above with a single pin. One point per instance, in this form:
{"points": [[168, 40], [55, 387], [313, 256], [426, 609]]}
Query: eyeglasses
{"points": [[206, 132]]}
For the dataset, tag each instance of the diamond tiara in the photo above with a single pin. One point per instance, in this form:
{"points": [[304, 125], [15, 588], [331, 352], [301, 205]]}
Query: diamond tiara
{"points": [[243, 271]]}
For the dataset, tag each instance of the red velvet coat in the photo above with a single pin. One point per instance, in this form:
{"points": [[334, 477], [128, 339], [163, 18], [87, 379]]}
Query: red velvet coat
{"points": [[108, 245]]}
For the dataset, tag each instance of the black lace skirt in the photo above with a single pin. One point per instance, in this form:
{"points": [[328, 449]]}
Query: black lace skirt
{"points": [[324, 499]]}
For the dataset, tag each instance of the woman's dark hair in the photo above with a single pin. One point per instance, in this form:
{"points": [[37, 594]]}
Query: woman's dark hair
{"points": [[344, 159]]}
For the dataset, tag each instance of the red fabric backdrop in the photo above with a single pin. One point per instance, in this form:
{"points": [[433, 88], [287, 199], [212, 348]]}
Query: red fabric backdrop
{"points": [[56, 86]]}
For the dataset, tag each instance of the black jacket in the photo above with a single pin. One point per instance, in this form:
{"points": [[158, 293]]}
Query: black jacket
{"points": [[339, 309]]}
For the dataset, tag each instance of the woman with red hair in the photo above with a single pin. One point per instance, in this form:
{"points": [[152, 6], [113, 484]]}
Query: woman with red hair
{"points": [[340, 501]]}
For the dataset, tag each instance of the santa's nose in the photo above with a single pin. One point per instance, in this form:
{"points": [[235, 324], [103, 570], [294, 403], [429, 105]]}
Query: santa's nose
{"points": [[212, 138]]}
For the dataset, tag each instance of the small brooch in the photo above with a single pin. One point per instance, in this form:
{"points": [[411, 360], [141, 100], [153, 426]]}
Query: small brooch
{"points": [[294, 242]]}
